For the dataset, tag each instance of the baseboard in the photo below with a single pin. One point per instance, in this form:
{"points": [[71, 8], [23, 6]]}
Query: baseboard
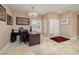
{"points": [[6, 46], [72, 38]]}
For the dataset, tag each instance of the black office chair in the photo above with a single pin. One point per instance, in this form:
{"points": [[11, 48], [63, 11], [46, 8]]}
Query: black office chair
{"points": [[13, 36], [24, 36]]}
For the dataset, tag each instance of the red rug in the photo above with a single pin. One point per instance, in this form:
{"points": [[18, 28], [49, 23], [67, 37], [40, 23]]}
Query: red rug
{"points": [[59, 39]]}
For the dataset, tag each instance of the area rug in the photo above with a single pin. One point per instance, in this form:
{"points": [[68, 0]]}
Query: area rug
{"points": [[59, 39]]}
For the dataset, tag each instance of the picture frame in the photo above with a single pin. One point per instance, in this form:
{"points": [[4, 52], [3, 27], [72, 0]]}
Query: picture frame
{"points": [[9, 20], [2, 13], [65, 20], [22, 21]]}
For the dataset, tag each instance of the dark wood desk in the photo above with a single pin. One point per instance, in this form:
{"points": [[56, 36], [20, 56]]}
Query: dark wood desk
{"points": [[34, 38]]}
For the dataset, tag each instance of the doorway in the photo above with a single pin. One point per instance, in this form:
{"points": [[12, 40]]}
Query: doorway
{"points": [[36, 25]]}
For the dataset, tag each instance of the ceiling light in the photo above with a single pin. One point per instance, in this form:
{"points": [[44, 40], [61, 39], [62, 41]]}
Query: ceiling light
{"points": [[33, 13]]}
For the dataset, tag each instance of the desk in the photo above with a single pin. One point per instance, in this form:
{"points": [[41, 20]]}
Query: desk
{"points": [[34, 38]]}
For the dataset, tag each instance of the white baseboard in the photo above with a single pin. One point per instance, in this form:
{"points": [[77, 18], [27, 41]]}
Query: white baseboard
{"points": [[73, 38], [6, 46]]}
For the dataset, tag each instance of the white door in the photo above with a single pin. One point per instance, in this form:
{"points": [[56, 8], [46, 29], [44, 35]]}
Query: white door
{"points": [[37, 26], [54, 27]]}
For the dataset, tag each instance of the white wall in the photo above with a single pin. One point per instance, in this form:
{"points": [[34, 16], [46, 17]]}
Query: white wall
{"points": [[44, 26], [69, 30], [5, 29]]}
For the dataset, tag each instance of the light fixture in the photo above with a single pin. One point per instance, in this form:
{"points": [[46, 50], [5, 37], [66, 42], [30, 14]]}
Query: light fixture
{"points": [[32, 13]]}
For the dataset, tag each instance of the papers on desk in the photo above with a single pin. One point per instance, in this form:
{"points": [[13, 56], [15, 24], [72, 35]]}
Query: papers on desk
{"points": [[34, 32]]}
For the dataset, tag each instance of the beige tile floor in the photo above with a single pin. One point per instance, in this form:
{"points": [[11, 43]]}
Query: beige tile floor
{"points": [[47, 47]]}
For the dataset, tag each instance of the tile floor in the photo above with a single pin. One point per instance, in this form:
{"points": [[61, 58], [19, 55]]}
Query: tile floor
{"points": [[47, 47]]}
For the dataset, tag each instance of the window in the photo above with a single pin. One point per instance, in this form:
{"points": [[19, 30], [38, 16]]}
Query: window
{"points": [[36, 26]]}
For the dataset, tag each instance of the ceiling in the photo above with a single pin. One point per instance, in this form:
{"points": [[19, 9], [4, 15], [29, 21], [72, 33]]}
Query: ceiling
{"points": [[44, 8]]}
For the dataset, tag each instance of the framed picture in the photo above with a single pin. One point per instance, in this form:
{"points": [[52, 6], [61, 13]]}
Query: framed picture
{"points": [[65, 20], [9, 20], [22, 21], [2, 13]]}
